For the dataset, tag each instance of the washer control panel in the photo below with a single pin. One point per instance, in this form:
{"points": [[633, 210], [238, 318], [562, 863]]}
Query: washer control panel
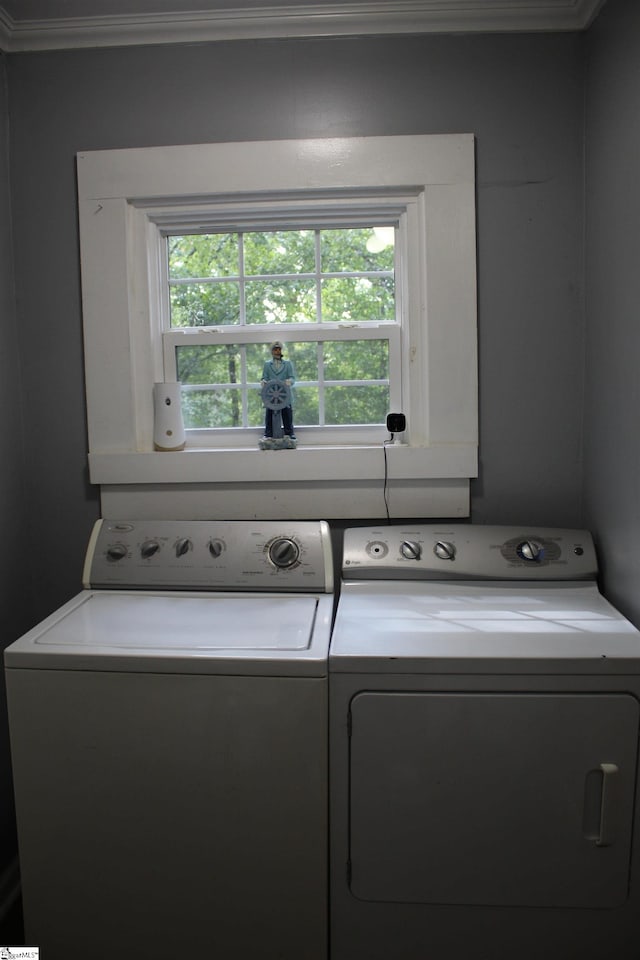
{"points": [[467, 552], [210, 555]]}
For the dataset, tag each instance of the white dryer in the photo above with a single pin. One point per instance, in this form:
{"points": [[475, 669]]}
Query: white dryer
{"points": [[169, 742], [484, 720]]}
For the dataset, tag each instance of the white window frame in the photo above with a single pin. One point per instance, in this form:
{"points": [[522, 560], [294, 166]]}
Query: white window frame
{"points": [[429, 181]]}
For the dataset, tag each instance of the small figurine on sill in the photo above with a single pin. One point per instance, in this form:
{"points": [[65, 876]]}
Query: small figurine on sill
{"points": [[278, 377]]}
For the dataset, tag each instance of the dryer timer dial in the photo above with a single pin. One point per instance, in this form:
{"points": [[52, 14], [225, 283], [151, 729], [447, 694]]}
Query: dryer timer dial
{"points": [[530, 550]]}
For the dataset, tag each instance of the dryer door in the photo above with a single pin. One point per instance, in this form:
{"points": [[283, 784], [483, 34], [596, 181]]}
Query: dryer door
{"points": [[495, 799]]}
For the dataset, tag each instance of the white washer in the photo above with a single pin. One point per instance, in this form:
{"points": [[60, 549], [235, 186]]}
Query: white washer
{"points": [[169, 742], [484, 720]]}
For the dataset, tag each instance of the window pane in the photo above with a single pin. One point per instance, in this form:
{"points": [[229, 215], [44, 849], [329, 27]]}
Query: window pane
{"points": [[285, 251], [356, 404], [304, 357], [255, 408], [256, 354], [358, 298], [204, 304], [306, 407], [205, 255], [361, 249], [280, 301], [212, 408], [218, 363], [356, 360]]}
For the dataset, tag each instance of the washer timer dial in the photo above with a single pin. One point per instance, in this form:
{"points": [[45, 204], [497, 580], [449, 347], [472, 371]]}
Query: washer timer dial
{"points": [[283, 552]]}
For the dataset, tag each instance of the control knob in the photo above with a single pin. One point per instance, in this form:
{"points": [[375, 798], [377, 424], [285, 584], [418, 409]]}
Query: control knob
{"points": [[530, 550], [444, 550], [183, 545], [215, 548], [410, 550], [149, 548], [284, 552], [116, 551]]}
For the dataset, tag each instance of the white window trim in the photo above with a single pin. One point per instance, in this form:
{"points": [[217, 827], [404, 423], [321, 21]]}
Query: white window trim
{"points": [[432, 177]]}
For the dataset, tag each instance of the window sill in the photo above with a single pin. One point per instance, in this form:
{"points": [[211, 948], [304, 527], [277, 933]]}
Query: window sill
{"points": [[307, 463]]}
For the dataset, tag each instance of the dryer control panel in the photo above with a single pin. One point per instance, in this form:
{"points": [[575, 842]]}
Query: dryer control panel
{"points": [[260, 556], [467, 552]]}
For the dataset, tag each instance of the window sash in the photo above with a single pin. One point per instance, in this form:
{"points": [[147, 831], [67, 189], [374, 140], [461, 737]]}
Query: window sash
{"points": [[243, 277], [325, 433]]}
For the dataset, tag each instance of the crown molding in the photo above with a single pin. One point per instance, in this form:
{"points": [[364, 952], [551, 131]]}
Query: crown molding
{"points": [[368, 17]]}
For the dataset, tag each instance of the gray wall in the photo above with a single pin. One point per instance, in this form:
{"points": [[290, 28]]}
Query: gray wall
{"points": [[14, 601], [612, 405]]}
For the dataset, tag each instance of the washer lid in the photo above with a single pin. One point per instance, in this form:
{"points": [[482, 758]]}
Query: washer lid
{"points": [[103, 630], [479, 626]]}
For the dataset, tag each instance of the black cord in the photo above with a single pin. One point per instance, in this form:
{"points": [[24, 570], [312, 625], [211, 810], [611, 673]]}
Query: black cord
{"points": [[386, 475]]}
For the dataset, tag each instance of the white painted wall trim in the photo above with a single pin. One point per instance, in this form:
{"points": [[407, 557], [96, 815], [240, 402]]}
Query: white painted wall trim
{"points": [[119, 193], [441, 461], [382, 17]]}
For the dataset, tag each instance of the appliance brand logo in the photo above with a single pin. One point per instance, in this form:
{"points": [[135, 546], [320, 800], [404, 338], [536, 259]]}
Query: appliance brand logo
{"points": [[12, 953]]}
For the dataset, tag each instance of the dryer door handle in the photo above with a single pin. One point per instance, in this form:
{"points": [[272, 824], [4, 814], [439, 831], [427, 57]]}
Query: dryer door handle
{"points": [[601, 804]]}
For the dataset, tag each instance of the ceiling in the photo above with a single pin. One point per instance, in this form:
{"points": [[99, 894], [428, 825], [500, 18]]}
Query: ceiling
{"points": [[59, 24]]}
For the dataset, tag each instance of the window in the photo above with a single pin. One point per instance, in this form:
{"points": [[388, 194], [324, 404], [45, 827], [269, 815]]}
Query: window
{"points": [[194, 258], [327, 293]]}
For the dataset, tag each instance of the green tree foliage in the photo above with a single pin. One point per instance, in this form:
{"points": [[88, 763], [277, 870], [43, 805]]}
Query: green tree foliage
{"points": [[283, 277]]}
